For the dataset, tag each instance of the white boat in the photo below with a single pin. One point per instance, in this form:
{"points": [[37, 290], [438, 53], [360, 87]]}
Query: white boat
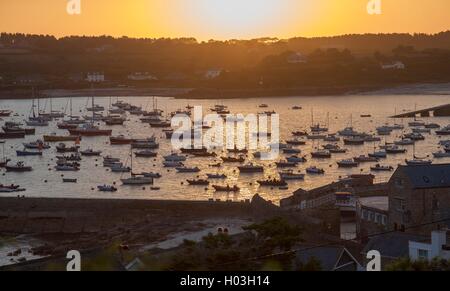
{"points": [[296, 159], [347, 164], [137, 180], [418, 162], [405, 141], [290, 175], [441, 154], [379, 154]]}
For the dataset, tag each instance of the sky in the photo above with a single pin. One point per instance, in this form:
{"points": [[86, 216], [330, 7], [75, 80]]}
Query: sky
{"points": [[222, 19]]}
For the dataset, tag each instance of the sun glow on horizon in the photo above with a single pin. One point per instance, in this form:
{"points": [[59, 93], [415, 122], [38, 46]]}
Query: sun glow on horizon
{"points": [[222, 19]]}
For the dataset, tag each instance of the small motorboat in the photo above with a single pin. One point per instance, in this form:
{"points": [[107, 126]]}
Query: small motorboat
{"points": [[137, 181], [66, 168], [441, 154], [405, 141], [175, 158], [238, 151], [299, 133], [68, 180], [226, 188], [216, 176], [356, 140], [296, 159], [26, 153], [290, 175], [251, 168], [239, 159], [188, 170], [72, 158], [272, 183], [296, 107], [63, 148], [418, 162], [120, 140], [379, 154], [365, 159], [296, 142], [199, 182], [291, 151], [315, 171], [39, 144], [120, 168], [91, 153], [151, 175], [395, 150], [107, 188], [322, 154], [347, 164], [380, 168], [169, 164]]}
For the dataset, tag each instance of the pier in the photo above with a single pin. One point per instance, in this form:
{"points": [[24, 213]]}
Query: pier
{"points": [[436, 111]]}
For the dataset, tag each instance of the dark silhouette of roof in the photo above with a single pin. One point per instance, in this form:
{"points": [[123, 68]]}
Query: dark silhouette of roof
{"points": [[428, 176]]}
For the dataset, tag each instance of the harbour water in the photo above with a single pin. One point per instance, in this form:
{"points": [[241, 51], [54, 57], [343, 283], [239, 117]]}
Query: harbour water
{"points": [[336, 112]]}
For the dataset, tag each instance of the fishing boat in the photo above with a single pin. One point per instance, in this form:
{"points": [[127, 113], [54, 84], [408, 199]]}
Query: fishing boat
{"points": [[19, 167], [95, 108], [371, 138], [199, 182], [315, 170], [347, 164], [216, 176], [226, 188], [415, 136], [380, 168], [72, 158], [296, 107], [384, 130], [421, 130], [61, 138], [272, 183], [39, 144], [290, 175], [120, 140], [63, 148], [321, 154], [91, 153], [187, 169], [149, 143], [365, 159], [251, 168], [107, 188], [146, 154], [89, 129], [332, 138], [26, 153], [337, 150], [8, 189], [114, 120], [432, 126]]}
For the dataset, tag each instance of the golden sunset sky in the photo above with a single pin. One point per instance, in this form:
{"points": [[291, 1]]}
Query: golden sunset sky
{"points": [[222, 19]]}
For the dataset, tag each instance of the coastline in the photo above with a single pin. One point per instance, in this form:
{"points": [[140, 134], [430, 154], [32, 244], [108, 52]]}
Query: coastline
{"points": [[207, 93]]}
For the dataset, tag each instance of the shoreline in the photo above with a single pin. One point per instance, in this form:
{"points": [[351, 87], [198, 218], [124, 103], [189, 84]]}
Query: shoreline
{"points": [[213, 94]]}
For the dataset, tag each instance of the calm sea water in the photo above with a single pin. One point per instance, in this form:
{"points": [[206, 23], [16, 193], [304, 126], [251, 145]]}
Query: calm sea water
{"points": [[43, 182]]}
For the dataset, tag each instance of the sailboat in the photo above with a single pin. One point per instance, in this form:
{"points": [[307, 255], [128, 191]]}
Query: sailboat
{"points": [[34, 120], [89, 129], [418, 161], [136, 180]]}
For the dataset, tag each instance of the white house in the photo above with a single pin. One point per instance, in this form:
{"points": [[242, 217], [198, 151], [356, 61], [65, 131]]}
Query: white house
{"points": [[394, 66], [428, 251], [95, 77], [138, 76], [212, 74]]}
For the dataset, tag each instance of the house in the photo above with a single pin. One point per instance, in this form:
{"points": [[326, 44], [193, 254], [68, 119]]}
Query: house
{"points": [[138, 76], [394, 66], [419, 195], [372, 215], [212, 74], [392, 246], [95, 77], [331, 258], [437, 248]]}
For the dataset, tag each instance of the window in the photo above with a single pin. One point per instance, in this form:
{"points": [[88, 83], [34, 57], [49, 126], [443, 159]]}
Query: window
{"points": [[422, 254], [364, 214], [384, 220], [378, 218], [371, 216], [400, 205]]}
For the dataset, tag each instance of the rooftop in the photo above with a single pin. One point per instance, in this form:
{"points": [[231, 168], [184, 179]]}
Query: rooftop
{"points": [[428, 176], [379, 202]]}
